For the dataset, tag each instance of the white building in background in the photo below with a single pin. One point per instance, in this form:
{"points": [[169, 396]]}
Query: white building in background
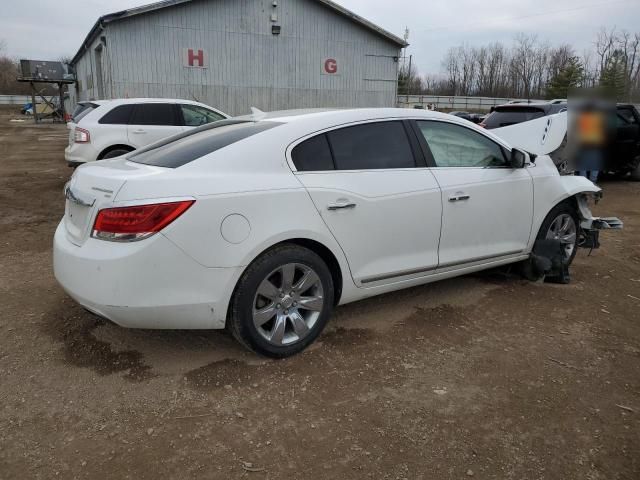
{"points": [[234, 54]]}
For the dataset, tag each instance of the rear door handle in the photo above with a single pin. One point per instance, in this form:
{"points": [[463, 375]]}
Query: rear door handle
{"points": [[139, 131], [459, 197], [341, 205]]}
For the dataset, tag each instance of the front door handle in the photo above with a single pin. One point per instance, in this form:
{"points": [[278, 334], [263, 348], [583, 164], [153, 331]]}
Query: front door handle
{"points": [[341, 205], [459, 197], [139, 131]]}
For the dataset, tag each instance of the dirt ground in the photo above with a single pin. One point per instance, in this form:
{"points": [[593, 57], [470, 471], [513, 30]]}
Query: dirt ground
{"points": [[487, 376]]}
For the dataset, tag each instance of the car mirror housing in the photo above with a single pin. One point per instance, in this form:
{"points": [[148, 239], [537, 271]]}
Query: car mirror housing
{"points": [[519, 159]]}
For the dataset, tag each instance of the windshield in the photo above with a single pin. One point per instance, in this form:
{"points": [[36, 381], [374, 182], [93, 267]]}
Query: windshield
{"points": [[181, 149]]}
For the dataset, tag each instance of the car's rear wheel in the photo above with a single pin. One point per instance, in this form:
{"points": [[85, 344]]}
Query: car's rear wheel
{"points": [[282, 302], [118, 152], [562, 224]]}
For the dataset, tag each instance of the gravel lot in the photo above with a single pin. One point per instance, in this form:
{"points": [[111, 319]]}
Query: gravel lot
{"points": [[487, 376]]}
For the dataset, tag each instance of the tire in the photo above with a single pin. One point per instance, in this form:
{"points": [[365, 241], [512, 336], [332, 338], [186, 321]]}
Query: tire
{"points": [[118, 152], [553, 224], [270, 320], [635, 174]]}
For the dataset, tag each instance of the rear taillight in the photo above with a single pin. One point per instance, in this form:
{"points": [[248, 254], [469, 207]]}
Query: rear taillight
{"points": [[129, 224], [80, 135]]}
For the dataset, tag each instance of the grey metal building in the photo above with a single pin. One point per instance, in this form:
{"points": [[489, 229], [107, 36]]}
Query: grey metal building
{"points": [[234, 54]]}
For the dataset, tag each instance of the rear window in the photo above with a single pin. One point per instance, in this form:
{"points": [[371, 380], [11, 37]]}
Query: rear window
{"points": [[82, 110], [187, 147], [511, 116], [154, 114], [118, 116]]}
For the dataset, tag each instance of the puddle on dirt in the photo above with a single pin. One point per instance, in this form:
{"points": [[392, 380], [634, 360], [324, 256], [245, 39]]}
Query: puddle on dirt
{"points": [[82, 349]]}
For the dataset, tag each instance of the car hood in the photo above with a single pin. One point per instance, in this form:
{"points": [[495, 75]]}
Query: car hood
{"points": [[541, 136]]}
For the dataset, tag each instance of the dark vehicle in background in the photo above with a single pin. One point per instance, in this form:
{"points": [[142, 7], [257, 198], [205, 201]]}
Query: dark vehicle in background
{"points": [[626, 148], [514, 113], [472, 117]]}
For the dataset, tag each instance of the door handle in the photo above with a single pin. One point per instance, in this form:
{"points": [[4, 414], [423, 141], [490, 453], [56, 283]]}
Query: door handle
{"points": [[341, 205], [459, 197], [139, 131]]}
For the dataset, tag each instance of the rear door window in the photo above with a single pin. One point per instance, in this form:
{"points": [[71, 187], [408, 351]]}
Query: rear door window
{"points": [[117, 116], [154, 114], [511, 116], [372, 146], [197, 143]]}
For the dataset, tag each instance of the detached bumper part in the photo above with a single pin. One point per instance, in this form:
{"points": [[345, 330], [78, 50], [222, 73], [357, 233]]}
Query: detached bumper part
{"points": [[591, 225]]}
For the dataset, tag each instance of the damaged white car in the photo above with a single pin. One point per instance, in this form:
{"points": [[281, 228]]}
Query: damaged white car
{"points": [[264, 224]]}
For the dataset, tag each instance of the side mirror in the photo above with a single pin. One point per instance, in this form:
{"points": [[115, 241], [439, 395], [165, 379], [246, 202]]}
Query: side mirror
{"points": [[519, 159]]}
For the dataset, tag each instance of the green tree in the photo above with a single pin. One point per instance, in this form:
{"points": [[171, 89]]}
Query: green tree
{"points": [[570, 76], [613, 75]]}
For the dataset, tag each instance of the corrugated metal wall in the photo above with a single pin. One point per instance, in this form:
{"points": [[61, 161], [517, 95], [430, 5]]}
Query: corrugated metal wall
{"points": [[247, 64]]}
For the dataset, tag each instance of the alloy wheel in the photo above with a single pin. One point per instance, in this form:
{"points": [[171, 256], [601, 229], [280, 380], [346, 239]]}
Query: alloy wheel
{"points": [[564, 228], [288, 304]]}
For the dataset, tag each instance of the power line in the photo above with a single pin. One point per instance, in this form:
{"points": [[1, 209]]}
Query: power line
{"points": [[532, 15]]}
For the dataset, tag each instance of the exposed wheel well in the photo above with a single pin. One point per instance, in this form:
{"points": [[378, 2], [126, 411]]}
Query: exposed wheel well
{"points": [[114, 147], [324, 253]]}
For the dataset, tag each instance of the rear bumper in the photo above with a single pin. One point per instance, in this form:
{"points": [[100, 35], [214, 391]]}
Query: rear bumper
{"points": [[150, 284], [79, 153]]}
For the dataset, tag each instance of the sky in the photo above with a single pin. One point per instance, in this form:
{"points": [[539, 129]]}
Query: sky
{"points": [[51, 29]]}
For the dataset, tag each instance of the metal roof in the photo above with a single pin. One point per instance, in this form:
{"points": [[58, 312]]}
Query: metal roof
{"points": [[111, 17]]}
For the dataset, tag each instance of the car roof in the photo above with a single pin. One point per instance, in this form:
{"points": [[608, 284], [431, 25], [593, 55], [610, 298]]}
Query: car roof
{"points": [[344, 115]]}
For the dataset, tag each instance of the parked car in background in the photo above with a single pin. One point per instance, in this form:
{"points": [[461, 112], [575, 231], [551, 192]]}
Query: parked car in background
{"points": [[471, 117], [514, 113], [110, 128], [626, 149], [264, 224]]}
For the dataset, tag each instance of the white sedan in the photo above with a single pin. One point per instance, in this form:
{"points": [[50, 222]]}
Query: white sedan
{"points": [[264, 224]]}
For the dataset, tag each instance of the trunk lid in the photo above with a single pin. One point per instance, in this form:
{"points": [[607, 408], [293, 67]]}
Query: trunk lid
{"points": [[93, 187]]}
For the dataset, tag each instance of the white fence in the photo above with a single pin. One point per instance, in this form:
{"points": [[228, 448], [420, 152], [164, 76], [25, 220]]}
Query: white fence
{"points": [[453, 103], [14, 99]]}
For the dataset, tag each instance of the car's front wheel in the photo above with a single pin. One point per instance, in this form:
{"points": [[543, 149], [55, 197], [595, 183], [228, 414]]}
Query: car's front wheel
{"points": [[562, 224], [282, 302]]}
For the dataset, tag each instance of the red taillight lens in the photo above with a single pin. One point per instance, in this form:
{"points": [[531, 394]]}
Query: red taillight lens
{"points": [[80, 135], [127, 224]]}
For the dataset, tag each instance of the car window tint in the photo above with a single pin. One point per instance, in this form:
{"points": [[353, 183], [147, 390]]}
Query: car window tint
{"points": [[371, 146], [194, 115], [627, 116], [118, 116], [187, 147], [313, 155], [153, 114], [456, 146], [82, 110], [512, 116]]}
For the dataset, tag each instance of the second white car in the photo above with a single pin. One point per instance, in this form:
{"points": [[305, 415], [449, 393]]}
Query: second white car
{"points": [[110, 128]]}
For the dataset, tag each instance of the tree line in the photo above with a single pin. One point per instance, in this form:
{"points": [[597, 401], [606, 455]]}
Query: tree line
{"points": [[531, 68]]}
